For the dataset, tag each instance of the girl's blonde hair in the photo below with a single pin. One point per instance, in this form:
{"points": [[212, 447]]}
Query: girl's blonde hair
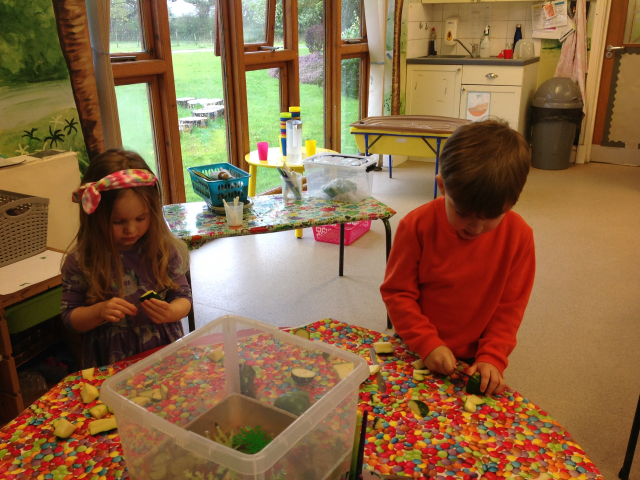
{"points": [[97, 252]]}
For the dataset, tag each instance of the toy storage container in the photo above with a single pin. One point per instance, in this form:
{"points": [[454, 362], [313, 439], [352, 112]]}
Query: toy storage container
{"points": [[342, 178], [214, 191], [235, 372], [23, 226], [331, 233]]}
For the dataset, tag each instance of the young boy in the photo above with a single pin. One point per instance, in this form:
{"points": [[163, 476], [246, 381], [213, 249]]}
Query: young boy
{"points": [[461, 268]]}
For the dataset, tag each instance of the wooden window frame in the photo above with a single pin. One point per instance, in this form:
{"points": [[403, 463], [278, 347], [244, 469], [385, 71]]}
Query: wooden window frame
{"points": [[154, 67]]}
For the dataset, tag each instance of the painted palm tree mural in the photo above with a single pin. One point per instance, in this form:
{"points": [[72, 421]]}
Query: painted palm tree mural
{"points": [[36, 98]]}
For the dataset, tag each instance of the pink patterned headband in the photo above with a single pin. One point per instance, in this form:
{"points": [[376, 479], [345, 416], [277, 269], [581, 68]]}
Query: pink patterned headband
{"points": [[89, 193]]}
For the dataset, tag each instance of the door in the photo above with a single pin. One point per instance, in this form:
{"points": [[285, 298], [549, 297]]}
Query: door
{"points": [[498, 102], [433, 90], [616, 137]]}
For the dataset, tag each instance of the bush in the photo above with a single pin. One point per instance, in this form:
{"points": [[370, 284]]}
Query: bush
{"points": [[311, 70], [314, 38]]}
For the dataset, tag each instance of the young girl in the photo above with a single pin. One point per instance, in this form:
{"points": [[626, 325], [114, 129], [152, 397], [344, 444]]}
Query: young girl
{"points": [[124, 249]]}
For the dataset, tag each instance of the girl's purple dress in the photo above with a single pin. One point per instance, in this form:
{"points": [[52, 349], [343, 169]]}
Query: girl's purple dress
{"points": [[112, 342]]}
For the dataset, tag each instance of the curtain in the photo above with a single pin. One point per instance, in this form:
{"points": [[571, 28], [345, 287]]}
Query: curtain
{"points": [[99, 18], [73, 33]]}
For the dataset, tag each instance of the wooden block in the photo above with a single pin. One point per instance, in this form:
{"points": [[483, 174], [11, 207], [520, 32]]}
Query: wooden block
{"points": [[10, 407]]}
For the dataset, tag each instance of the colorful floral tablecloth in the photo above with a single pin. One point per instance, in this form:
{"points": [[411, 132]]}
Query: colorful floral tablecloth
{"points": [[196, 224], [508, 437]]}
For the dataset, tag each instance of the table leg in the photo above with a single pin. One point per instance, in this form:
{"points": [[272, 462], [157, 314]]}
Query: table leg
{"points": [[435, 184], [191, 316], [631, 447], [298, 233], [340, 268], [387, 228], [253, 171], [390, 166]]}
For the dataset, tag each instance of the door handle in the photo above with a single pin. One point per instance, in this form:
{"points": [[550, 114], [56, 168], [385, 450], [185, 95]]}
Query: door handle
{"points": [[492, 75], [610, 49]]}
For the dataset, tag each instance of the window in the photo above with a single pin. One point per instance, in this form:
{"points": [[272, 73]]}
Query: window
{"points": [[125, 27], [135, 113], [349, 102]]}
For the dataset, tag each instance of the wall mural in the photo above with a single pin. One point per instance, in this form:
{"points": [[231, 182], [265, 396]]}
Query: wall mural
{"points": [[36, 100]]}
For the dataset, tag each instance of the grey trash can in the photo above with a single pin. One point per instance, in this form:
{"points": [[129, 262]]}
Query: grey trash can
{"points": [[556, 113]]}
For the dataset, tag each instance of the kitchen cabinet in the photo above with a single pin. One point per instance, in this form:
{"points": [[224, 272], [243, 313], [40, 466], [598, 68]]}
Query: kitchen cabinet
{"points": [[508, 89], [433, 90]]}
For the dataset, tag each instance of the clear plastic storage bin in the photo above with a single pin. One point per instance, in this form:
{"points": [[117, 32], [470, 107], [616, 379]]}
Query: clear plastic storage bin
{"points": [[235, 372], [342, 178]]}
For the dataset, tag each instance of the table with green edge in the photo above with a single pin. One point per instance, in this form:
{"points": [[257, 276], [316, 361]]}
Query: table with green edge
{"points": [[196, 224], [506, 438]]}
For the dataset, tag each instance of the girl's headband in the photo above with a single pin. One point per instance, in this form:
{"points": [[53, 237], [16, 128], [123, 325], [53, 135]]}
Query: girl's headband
{"points": [[89, 193]]}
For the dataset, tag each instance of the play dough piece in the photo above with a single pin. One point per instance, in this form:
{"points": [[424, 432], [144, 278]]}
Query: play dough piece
{"points": [[64, 428], [473, 384], [103, 425], [142, 401], [293, 402], [149, 295], [418, 364], [383, 347], [99, 411], [373, 369], [418, 377], [418, 407], [89, 393], [302, 376], [303, 333], [378, 423], [216, 355], [87, 374], [164, 391], [343, 369]]}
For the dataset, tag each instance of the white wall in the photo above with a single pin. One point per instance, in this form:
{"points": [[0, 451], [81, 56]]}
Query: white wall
{"points": [[504, 17]]}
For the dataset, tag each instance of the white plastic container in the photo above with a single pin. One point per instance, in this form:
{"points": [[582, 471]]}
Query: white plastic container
{"points": [[166, 438], [341, 178]]}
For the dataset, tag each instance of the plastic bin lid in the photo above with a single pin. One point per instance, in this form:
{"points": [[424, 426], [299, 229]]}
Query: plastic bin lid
{"points": [[337, 160], [558, 92]]}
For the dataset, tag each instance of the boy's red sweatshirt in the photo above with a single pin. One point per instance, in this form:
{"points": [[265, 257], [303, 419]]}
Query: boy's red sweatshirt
{"points": [[469, 295]]}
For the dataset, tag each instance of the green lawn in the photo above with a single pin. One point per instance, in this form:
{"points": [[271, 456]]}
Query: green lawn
{"points": [[198, 74]]}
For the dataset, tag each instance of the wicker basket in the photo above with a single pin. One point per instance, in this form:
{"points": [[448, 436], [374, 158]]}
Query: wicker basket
{"points": [[23, 226]]}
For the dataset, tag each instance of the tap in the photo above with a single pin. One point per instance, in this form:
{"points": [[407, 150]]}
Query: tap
{"points": [[474, 48]]}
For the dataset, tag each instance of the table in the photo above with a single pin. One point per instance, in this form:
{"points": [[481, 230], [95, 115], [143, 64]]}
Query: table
{"points": [[47, 279], [508, 438], [274, 159], [411, 135]]}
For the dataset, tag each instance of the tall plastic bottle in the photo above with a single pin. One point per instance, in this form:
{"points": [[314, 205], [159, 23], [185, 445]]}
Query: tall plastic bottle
{"points": [[518, 35], [485, 44], [432, 42]]}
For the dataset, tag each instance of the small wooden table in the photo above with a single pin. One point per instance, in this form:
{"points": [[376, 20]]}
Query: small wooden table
{"points": [[11, 403]]}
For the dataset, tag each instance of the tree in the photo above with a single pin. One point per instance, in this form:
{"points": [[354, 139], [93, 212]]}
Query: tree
{"points": [[29, 47]]}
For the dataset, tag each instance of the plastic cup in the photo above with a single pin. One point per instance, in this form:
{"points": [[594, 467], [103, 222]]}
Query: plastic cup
{"points": [[507, 53], [263, 150], [310, 145], [287, 189], [234, 214]]}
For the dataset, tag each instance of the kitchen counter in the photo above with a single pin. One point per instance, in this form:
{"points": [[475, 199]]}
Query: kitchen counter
{"points": [[467, 60]]}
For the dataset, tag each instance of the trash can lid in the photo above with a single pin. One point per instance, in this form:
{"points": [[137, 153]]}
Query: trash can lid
{"points": [[558, 92]]}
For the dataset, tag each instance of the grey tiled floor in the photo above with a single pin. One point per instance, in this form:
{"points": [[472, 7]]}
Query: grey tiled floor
{"points": [[578, 354]]}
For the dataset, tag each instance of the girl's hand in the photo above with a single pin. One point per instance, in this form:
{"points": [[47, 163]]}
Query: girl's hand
{"points": [[115, 309], [441, 360], [492, 381], [158, 311]]}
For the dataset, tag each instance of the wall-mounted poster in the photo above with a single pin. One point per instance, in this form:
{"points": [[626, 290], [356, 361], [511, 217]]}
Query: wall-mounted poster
{"points": [[478, 106], [36, 100]]}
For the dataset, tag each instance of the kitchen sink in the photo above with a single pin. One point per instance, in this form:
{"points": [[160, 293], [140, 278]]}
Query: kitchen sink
{"points": [[448, 56]]}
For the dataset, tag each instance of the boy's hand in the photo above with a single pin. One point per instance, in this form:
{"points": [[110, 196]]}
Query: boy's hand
{"points": [[158, 311], [441, 360], [492, 381], [115, 309]]}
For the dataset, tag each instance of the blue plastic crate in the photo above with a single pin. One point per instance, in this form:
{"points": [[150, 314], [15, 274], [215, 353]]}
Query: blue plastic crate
{"points": [[215, 191]]}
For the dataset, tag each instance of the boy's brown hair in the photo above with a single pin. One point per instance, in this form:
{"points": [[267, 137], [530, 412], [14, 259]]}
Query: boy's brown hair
{"points": [[484, 167]]}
